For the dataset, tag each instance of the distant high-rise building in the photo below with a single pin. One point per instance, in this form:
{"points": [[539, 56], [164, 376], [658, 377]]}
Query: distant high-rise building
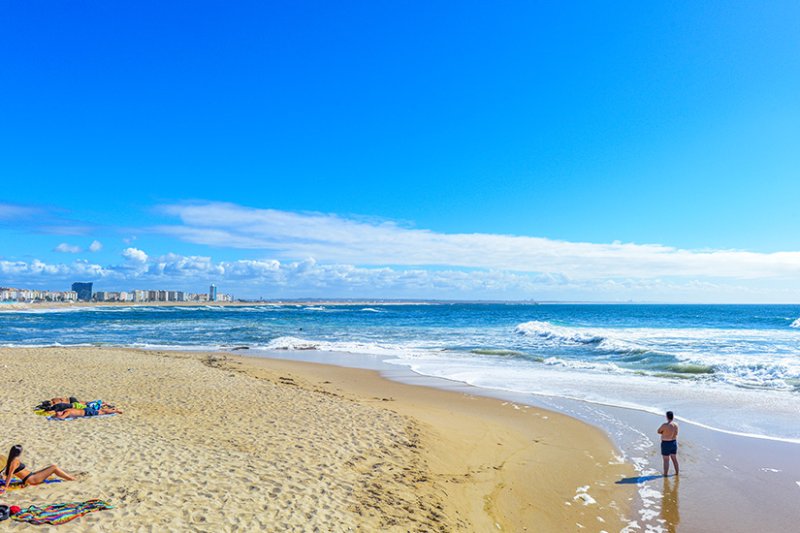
{"points": [[84, 291], [212, 293]]}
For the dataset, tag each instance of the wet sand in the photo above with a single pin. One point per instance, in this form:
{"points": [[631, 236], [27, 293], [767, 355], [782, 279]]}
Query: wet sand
{"points": [[728, 482]]}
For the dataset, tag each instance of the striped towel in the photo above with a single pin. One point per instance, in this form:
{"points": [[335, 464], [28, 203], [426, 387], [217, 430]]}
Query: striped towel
{"points": [[80, 417], [60, 513]]}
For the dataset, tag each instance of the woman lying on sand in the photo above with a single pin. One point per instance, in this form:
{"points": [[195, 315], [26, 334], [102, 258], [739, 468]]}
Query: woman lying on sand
{"points": [[15, 468], [58, 405], [77, 413]]}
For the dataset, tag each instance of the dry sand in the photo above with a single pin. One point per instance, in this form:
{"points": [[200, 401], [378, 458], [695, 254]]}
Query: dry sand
{"points": [[218, 443]]}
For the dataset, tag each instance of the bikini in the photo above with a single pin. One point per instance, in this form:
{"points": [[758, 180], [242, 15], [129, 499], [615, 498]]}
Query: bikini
{"points": [[22, 467]]}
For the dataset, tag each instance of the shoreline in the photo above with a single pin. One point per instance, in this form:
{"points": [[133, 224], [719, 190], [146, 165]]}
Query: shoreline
{"points": [[732, 481], [418, 458], [533, 441], [264, 303]]}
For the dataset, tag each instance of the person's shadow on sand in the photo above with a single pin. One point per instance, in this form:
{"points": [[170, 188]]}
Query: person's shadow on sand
{"points": [[636, 480]]}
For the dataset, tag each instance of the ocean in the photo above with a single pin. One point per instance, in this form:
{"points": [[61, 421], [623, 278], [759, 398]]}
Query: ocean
{"points": [[729, 368]]}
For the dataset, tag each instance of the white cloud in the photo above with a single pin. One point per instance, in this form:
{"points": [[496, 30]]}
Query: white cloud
{"points": [[317, 255], [37, 271], [96, 246], [134, 255], [66, 248], [275, 279], [335, 239]]}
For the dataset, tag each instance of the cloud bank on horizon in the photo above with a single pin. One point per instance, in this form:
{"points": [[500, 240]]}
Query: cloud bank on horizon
{"points": [[296, 254], [336, 239]]}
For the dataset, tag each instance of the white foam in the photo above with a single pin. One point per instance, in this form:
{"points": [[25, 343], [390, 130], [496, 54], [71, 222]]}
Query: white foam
{"points": [[584, 365], [621, 346], [46, 310], [795, 324], [406, 351], [547, 330], [582, 494], [45, 345], [176, 347], [715, 406], [766, 358]]}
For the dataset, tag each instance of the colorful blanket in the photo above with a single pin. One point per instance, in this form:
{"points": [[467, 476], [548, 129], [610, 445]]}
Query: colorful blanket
{"points": [[80, 417], [17, 484], [60, 513]]}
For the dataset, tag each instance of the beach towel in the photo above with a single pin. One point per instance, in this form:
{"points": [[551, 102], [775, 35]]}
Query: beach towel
{"points": [[80, 417], [44, 410], [59, 513], [17, 484]]}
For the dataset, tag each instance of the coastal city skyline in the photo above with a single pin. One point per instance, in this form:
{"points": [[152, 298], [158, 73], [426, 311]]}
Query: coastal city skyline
{"points": [[84, 292]]}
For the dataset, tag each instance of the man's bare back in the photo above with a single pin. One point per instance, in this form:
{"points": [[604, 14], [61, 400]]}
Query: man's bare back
{"points": [[668, 431]]}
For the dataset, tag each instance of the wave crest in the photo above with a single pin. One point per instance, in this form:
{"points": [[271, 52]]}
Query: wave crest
{"points": [[288, 343], [546, 330], [292, 343], [689, 368]]}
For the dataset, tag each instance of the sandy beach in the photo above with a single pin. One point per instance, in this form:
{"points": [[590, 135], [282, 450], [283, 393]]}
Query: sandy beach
{"points": [[210, 442]]}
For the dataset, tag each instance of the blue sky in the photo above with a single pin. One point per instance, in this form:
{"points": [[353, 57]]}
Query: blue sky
{"points": [[191, 132]]}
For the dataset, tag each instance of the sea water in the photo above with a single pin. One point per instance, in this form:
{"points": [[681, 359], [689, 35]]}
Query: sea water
{"points": [[731, 368], [731, 372]]}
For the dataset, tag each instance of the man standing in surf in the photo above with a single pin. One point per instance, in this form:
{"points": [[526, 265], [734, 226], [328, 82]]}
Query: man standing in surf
{"points": [[669, 443]]}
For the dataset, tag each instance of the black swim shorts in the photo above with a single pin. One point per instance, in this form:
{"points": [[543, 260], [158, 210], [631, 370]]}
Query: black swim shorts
{"points": [[669, 447]]}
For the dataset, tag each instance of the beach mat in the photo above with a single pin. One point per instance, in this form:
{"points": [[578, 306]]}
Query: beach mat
{"points": [[59, 513], [17, 484], [79, 418]]}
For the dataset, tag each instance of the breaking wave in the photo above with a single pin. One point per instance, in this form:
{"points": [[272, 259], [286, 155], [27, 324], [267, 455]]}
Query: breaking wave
{"points": [[743, 358], [546, 330], [289, 343]]}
